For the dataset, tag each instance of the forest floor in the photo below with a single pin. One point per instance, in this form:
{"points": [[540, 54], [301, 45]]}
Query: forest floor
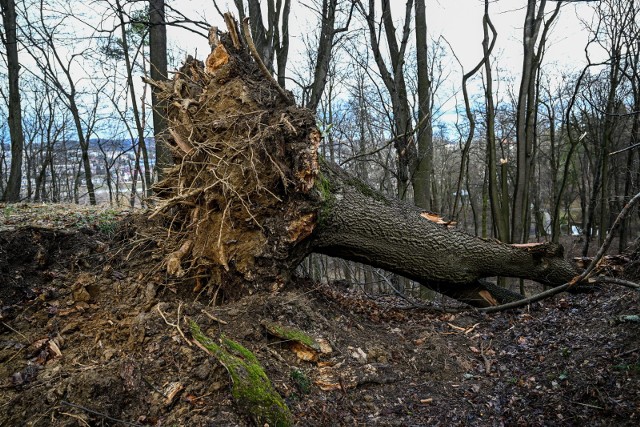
{"points": [[89, 336]]}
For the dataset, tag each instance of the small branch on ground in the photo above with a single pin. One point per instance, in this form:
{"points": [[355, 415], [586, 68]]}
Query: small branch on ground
{"points": [[621, 282], [100, 414], [582, 276], [175, 325]]}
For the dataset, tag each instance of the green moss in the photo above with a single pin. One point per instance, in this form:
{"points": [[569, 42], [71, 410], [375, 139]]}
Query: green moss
{"points": [[252, 390], [291, 334], [106, 221], [324, 187]]}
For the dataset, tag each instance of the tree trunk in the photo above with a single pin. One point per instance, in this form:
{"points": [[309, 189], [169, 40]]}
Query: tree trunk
{"points": [[10, 40], [362, 225], [499, 210], [158, 71], [424, 168], [249, 199], [396, 86], [137, 114]]}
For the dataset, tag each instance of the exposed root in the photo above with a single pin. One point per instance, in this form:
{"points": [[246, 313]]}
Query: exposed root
{"points": [[236, 202]]}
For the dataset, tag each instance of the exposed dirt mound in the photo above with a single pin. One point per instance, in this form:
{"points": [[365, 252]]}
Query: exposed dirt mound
{"points": [[91, 337]]}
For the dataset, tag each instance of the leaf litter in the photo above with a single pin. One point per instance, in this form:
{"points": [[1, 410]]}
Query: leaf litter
{"points": [[91, 333]]}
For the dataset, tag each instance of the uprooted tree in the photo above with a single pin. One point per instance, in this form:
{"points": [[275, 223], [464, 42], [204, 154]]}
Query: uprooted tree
{"points": [[249, 198]]}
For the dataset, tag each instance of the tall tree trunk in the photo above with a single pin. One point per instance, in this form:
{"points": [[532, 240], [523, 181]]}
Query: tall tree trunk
{"points": [[158, 71], [396, 86], [10, 41], [84, 153], [323, 58], [134, 101], [424, 167], [499, 211], [526, 114]]}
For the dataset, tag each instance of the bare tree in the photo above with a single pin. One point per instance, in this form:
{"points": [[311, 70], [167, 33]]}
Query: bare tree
{"points": [[614, 19], [10, 42], [497, 190], [271, 38], [328, 12], [58, 71], [526, 113], [138, 115], [158, 71], [424, 164], [394, 81]]}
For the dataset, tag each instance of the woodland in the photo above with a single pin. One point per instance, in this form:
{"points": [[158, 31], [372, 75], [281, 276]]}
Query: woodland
{"points": [[245, 238]]}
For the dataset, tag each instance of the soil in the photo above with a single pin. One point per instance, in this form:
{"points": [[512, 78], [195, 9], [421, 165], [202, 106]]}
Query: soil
{"points": [[93, 332]]}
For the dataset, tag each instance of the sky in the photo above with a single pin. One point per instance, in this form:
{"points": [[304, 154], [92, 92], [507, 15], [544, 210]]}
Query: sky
{"points": [[459, 21]]}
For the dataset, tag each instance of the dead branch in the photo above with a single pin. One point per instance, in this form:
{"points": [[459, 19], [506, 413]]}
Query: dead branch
{"points": [[621, 282], [233, 30], [578, 279], [100, 414], [607, 241], [258, 59], [175, 325]]}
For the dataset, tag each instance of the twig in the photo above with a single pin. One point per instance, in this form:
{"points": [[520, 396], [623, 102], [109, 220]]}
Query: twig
{"points": [[256, 57], [212, 317], [588, 406], [91, 411], [9, 327], [628, 352], [175, 325], [631, 147], [621, 282], [387, 142], [404, 297], [525, 301], [78, 417], [487, 362], [468, 331]]}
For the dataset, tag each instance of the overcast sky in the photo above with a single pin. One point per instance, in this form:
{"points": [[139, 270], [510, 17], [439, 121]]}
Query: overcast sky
{"points": [[459, 21]]}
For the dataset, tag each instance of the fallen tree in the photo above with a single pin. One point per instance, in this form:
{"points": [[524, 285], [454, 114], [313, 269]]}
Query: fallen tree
{"points": [[249, 198]]}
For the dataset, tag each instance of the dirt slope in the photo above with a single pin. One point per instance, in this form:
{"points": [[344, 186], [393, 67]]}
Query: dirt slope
{"points": [[88, 336]]}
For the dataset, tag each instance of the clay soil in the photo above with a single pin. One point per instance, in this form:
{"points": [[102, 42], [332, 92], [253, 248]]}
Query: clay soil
{"points": [[93, 333]]}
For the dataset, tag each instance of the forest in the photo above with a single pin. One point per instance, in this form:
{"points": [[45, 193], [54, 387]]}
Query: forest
{"points": [[332, 215]]}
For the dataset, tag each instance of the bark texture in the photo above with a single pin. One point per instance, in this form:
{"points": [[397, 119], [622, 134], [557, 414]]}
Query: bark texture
{"points": [[362, 225], [248, 198]]}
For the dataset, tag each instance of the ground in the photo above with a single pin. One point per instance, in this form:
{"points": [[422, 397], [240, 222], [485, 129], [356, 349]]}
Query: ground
{"points": [[92, 332]]}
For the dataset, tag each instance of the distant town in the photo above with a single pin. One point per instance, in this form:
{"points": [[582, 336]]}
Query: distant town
{"points": [[56, 174]]}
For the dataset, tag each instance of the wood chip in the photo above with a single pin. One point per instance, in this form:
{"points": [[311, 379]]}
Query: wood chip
{"points": [[171, 392]]}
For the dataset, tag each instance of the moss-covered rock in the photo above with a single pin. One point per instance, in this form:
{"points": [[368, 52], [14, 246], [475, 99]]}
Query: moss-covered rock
{"points": [[252, 390]]}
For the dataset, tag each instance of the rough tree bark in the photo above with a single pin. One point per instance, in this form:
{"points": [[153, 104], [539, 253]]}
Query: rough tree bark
{"points": [[248, 198]]}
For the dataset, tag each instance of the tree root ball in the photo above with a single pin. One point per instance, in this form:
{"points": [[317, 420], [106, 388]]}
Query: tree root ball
{"points": [[237, 199]]}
